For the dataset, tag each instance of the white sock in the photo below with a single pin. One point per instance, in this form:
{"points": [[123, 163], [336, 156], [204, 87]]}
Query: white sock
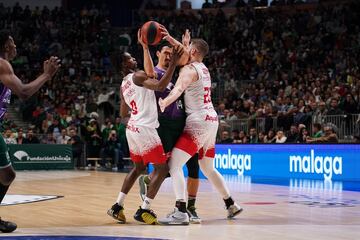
{"points": [[207, 167], [177, 161], [121, 198], [146, 203]]}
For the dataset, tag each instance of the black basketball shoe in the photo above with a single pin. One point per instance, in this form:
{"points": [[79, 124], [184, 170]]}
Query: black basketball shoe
{"points": [[117, 213], [146, 216], [7, 227]]}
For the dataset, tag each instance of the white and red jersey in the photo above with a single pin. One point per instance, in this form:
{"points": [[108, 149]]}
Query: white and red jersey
{"points": [[142, 102], [201, 122], [197, 95]]}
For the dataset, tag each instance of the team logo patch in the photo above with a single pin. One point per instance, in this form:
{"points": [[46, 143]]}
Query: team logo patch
{"points": [[13, 199]]}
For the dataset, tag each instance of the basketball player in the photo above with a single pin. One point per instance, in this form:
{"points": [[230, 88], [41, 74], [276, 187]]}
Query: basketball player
{"points": [[199, 133], [11, 83], [137, 91], [172, 121]]}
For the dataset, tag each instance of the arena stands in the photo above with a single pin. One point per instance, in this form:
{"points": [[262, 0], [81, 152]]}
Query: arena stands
{"points": [[277, 72]]}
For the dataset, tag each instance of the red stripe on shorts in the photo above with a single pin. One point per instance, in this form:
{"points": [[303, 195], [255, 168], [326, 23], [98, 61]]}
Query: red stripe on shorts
{"points": [[210, 153], [187, 144], [135, 158], [156, 155]]}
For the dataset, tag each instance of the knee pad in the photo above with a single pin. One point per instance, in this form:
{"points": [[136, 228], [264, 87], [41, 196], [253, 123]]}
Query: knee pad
{"points": [[193, 167]]}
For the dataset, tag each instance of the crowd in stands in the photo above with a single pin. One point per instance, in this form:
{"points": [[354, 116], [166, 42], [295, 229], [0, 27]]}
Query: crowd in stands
{"points": [[296, 66]]}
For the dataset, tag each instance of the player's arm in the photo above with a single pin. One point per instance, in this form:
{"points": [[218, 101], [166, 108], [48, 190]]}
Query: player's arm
{"points": [[24, 91], [124, 109], [187, 75], [148, 62], [141, 79], [185, 45]]}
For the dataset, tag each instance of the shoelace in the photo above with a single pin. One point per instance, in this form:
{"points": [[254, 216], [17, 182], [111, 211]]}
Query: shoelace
{"points": [[171, 213]]}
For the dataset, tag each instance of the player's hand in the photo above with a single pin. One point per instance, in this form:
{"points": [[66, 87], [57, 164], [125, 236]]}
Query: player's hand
{"points": [[162, 104], [51, 66], [177, 53], [167, 36], [186, 38], [144, 45]]}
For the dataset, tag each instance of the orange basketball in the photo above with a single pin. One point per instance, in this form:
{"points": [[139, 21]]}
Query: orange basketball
{"points": [[151, 33]]}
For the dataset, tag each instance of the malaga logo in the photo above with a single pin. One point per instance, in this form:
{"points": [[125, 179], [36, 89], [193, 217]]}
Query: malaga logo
{"points": [[325, 165], [239, 162]]}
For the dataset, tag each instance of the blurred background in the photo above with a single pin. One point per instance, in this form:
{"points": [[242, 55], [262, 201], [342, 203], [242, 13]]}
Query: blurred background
{"points": [[282, 71]]}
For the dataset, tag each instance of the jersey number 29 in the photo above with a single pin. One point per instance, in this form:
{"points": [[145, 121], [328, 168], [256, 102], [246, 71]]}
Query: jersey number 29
{"points": [[134, 109]]}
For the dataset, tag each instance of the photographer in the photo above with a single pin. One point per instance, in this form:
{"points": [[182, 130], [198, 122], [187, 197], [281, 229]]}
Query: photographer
{"points": [[112, 148]]}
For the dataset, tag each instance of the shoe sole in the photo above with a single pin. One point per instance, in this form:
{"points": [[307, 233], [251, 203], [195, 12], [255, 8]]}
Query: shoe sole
{"points": [[196, 221], [7, 231], [143, 189], [113, 217], [174, 223], [235, 214]]}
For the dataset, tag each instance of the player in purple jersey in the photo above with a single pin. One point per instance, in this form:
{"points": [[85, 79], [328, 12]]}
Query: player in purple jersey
{"points": [[172, 120], [9, 82]]}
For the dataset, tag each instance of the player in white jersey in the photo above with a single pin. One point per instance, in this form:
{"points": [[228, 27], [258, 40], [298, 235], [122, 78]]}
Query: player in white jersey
{"points": [[137, 92], [199, 133]]}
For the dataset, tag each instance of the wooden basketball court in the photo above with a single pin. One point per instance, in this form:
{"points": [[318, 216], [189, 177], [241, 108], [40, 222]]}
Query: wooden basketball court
{"points": [[303, 210]]}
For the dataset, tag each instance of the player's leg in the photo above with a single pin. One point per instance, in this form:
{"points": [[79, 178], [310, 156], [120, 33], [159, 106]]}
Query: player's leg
{"points": [[155, 155], [192, 187], [206, 163], [184, 149], [7, 175], [179, 216], [117, 210], [169, 132]]}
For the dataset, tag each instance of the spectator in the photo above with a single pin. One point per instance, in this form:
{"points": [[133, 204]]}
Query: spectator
{"points": [[104, 104], [243, 137], [31, 138], [253, 136], [235, 136], [20, 136], [120, 129], [225, 137], [77, 148], [320, 113], [55, 129], [106, 129], [317, 130], [112, 148], [48, 139], [280, 137], [334, 108], [206, 4], [329, 137], [9, 137], [94, 140], [270, 137], [261, 138], [6, 123], [304, 134], [64, 138], [293, 135]]}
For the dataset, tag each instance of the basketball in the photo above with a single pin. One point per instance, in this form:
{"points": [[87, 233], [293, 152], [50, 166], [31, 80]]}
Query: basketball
{"points": [[151, 33]]}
